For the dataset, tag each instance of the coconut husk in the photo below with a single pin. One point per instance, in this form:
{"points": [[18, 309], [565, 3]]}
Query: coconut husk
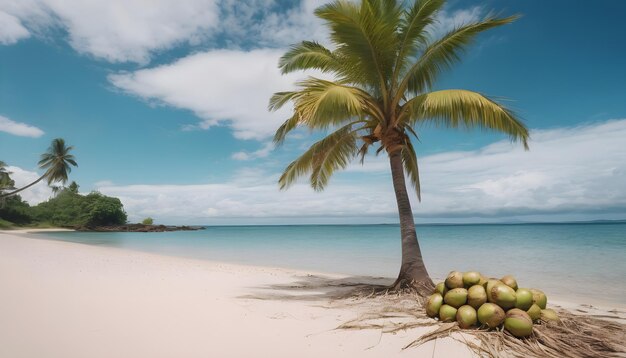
{"points": [[575, 336]]}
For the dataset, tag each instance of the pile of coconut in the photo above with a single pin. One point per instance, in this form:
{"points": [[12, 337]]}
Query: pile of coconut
{"points": [[472, 300]]}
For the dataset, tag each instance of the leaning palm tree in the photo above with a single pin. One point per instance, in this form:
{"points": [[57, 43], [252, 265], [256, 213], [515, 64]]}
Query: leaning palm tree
{"points": [[384, 65], [57, 163]]}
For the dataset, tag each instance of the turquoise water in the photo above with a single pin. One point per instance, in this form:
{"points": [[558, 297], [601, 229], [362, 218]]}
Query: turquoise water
{"points": [[577, 262]]}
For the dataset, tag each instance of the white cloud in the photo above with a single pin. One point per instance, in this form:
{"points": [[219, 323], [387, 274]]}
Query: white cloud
{"points": [[102, 183], [449, 20], [19, 129], [133, 30], [35, 194], [222, 87], [11, 29], [572, 172], [264, 23], [265, 150], [118, 30]]}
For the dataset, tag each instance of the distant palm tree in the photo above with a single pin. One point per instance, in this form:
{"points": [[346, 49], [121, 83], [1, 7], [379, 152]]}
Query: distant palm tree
{"points": [[56, 161], [384, 65]]}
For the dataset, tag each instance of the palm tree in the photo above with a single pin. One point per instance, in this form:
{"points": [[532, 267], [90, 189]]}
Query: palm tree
{"points": [[384, 66], [56, 162]]}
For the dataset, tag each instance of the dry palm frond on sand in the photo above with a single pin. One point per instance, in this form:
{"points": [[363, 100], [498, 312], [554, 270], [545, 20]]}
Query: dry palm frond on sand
{"points": [[573, 337]]}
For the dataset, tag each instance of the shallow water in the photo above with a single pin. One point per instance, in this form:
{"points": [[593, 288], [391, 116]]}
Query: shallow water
{"points": [[575, 262]]}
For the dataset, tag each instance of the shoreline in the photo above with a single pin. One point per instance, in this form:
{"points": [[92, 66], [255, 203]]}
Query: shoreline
{"points": [[584, 303], [66, 299]]}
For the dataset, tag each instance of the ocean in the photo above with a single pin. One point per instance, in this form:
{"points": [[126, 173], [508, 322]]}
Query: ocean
{"points": [[573, 262]]}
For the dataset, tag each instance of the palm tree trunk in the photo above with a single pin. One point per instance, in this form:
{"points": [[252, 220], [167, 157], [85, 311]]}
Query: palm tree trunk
{"points": [[23, 188], [412, 271]]}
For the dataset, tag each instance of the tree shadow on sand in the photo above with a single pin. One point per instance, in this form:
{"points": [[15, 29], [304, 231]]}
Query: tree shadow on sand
{"points": [[322, 288]]}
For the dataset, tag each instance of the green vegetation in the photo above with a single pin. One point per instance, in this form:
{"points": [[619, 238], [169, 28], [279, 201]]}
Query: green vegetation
{"points": [[67, 209], [148, 221], [385, 64]]}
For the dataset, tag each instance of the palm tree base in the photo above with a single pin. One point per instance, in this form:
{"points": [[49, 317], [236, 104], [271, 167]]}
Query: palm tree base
{"points": [[422, 286]]}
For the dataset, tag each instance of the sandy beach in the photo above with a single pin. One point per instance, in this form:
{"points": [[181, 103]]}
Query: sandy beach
{"points": [[62, 299], [70, 300]]}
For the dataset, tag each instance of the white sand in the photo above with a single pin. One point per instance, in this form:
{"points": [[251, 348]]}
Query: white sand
{"points": [[60, 299], [66, 300]]}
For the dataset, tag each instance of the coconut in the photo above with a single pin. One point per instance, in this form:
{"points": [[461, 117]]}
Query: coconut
{"points": [[518, 323], [482, 281], [456, 297], [509, 281], [441, 288], [454, 280], [466, 316], [433, 304], [539, 298], [489, 285], [471, 278], [486, 281], [524, 299], [447, 313], [534, 312], [476, 296], [503, 295], [549, 315], [491, 315]]}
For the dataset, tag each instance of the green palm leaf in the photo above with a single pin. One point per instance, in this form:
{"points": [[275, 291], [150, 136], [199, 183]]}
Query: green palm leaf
{"points": [[324, 157], [467, 109], [409, 159], [309, 55], [442, 54]]}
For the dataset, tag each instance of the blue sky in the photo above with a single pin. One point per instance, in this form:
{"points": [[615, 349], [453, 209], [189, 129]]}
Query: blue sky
{"points": [[166, 109]]}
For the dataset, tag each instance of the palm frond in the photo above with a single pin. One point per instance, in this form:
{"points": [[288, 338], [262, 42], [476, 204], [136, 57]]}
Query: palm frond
{"points": [[462, 108], [285, 128], [409, 159], [309, 55], [322, 158], [412, 30], [443, 53], [321, 104], [365, 37], [336, 156], [279, 99]]}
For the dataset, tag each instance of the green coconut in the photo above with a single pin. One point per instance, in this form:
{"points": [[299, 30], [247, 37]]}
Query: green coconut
{"points": [[524, 299], [491, 314], [482, 281], [454, 280], [518, 323], [441, 288], [433, 304], [509, 281], [456, 297], [489, 285], [471, 278], [534, 312], [447, 313], [476, 296], [549, 315], [539, 298], [502, 295], [466, 316]]}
